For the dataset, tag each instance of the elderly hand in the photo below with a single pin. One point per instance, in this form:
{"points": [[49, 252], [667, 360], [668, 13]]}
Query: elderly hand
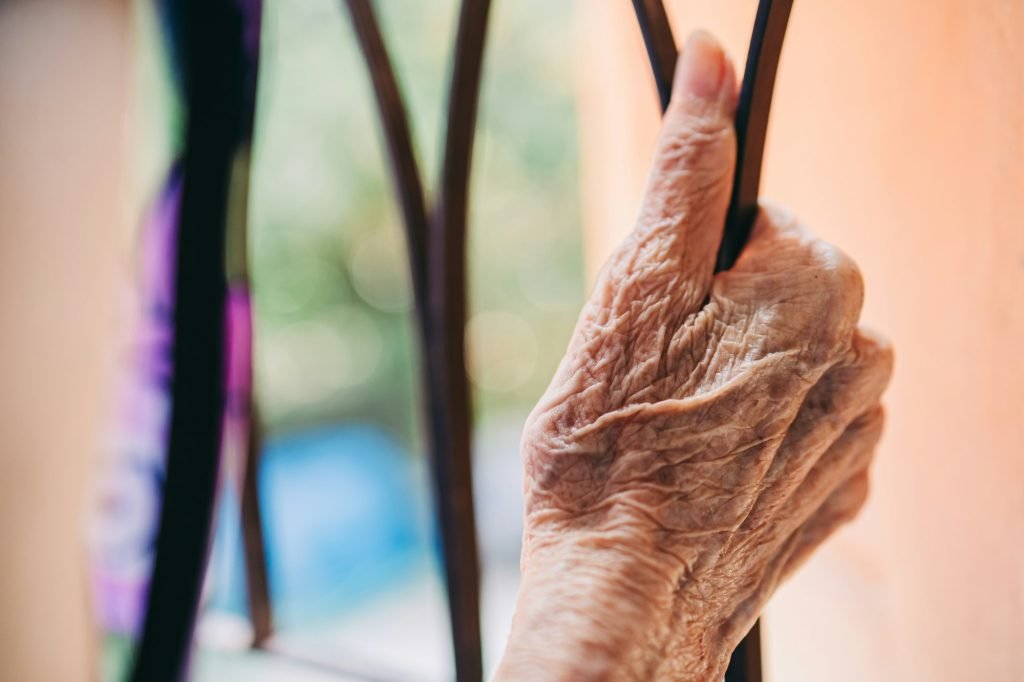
{"points": [[704, 432]]}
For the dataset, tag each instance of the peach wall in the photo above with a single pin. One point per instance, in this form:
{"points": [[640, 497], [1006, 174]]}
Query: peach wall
{"points": [[63, 68], [897, 133]]}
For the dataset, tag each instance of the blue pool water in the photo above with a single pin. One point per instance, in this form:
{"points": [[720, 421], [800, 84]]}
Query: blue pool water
{"points": [[346, 517]]}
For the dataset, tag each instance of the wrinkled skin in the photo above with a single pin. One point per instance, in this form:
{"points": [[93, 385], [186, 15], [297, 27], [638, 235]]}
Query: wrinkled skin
{"points": [[704, 432]]}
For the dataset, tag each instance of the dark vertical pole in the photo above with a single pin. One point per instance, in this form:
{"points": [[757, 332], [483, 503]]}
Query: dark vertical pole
{"points": [[243, 416], [745, 664], [450, 444], [752, 112], [661, 46], [398, 139], [212, 55], [257, 583]]}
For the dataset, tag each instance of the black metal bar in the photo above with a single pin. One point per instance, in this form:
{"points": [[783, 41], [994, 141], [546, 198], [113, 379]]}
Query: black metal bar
{"points": [[745, 664], [752, 113], [257, 582], [450, 444], [242, 425], [213, 58], [661, 46], [751, 128], [401, 154]]}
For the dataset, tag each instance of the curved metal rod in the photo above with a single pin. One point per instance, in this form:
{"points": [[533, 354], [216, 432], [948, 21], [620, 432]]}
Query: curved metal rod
{"points": [[409, 190], [449, 387], [752, 124], [257, 579], [214, 61], [401, 155], [436, 250], [661, 46], [751, 127]]}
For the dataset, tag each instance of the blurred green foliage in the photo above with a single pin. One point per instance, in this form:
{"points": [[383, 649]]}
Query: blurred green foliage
{"points": [[334, 338]]}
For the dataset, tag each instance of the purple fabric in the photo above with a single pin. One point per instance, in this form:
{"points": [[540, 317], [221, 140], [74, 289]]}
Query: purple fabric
{"points": [[124, 530], [125, 525]]}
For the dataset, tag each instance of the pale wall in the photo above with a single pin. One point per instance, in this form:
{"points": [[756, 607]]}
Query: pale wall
{"points": [[63, 68]]}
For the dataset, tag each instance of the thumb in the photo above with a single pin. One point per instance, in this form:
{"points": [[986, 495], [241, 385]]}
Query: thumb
{"points": [[683, 212]]}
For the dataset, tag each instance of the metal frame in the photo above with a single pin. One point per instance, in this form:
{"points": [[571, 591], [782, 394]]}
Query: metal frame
{"points": [[219, 67]]}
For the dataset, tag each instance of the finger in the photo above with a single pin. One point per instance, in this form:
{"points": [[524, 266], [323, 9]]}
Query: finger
{"points": [[841, 507], [819, 498], [770, 525], [683, 212], [846, 391], [807, 291], [852, 452]]}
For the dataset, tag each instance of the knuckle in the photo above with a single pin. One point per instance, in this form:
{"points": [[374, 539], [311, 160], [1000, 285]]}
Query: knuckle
{"points": [[875, 357], [856, 497], [869, 424], [834, 291], [867, 430], [863, 372], [839, 278], [807, 282], [858, 489]]}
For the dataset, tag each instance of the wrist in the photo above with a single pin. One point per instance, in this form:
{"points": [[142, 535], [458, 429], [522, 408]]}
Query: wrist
{"points": [[588, 610]]}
